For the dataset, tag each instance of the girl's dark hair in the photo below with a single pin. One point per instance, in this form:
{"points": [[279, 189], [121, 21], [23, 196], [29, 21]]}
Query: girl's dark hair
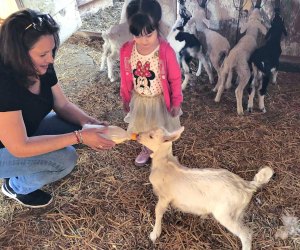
{"points": [[143, 16], [18, 34]]}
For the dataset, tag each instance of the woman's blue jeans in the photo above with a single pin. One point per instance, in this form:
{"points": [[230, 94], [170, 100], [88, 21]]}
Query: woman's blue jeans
{"points": [[32, 173]]}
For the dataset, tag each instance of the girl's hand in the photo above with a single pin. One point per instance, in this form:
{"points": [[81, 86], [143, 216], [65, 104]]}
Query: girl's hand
{"points": [[175, 111], [126, 107], [92, 138]]}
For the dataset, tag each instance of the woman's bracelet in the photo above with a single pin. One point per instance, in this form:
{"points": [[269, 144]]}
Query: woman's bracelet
{"points": [[78, 136]]}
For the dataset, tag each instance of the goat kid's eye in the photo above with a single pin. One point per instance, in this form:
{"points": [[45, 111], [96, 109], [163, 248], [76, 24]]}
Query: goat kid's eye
{"points": [[151, 137]]}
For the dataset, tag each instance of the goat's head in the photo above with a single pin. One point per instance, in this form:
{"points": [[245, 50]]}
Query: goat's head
{"points": [[156, 138], [255, 15], [184, 14], [278, 24]]}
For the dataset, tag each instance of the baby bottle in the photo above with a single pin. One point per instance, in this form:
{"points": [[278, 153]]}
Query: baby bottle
{"points": [[114, 133]]}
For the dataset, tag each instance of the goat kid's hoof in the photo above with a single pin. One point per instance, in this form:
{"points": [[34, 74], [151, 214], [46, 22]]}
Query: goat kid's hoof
{"points": [[113, 79], [263, 110], [250, 109], [153, 236]]}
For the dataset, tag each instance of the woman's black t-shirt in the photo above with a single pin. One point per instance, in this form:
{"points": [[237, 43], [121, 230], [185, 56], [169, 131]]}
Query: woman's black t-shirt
{"points": [[34, 107]]}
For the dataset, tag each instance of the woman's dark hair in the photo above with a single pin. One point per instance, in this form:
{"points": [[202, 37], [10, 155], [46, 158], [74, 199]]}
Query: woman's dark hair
{"points": [[143, 16], [18, 34]]}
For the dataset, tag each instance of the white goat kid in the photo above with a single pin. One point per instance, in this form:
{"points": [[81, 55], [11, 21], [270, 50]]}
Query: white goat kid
{"points": [[113, 38], [198, 191]]}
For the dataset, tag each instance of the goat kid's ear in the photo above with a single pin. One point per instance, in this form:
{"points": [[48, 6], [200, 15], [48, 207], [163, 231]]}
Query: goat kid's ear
{"points": [[206, 22], [174, 135]]}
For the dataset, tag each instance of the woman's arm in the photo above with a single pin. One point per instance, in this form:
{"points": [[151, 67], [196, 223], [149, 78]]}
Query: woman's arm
{"points": [[14, 137], [69, 111]]}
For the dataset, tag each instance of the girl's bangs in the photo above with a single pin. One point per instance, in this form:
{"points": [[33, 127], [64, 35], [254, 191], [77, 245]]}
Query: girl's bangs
{"points": [[141, 25]]}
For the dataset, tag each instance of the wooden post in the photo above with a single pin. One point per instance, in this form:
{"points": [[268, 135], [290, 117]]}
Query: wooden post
{"points": [[203, 4], [277, 6], [20, 4], [258, 4], [238, 23]]}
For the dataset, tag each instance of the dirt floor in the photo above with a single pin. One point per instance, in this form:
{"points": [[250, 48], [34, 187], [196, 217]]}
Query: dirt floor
{"points": [[108, 203]]}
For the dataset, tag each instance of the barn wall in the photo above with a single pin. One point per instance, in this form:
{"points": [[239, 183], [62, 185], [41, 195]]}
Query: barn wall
{"points": [[64, 12], [7, 7], [224, 15]]}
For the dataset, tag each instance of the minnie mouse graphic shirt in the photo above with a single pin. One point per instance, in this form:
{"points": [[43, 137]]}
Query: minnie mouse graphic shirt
{"points": [[145, 70]]}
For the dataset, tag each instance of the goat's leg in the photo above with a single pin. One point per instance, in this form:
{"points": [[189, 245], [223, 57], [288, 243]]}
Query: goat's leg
{"points": [[262, 92], [111, 59], [215, 63], [229, 80], [186, 70], [222, 76], [274, 76], [254, 79], [220, 86], [239, 95], [251, 92], [198, 73], [244, 76], [207, 68], [160, 209], [106, 48], [237, 228]]}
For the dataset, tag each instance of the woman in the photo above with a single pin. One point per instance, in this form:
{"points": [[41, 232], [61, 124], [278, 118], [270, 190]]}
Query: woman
{"points": [[38, 124]]}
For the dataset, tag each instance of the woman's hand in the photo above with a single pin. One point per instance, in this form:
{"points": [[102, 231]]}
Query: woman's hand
{"points": [[93, 138], [175, 111]]}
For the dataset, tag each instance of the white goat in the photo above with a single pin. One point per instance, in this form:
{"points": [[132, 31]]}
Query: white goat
{"points": [[238, 59], [113, 38], [198, 191], [118, 34], [216, 45]]}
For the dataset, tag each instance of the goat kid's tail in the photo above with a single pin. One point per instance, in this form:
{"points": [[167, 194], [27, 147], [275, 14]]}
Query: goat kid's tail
{"points": [[262, 177], [222, 58]]}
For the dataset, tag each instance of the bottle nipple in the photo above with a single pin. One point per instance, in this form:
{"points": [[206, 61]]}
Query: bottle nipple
{"points": [[133, 136]]}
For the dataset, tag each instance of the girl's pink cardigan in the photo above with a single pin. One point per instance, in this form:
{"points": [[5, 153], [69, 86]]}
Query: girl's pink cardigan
{"points": [[169, 72]]}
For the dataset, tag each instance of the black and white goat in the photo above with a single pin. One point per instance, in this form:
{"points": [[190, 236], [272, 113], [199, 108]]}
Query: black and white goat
{"points": [[264, 61], [187, 46]]}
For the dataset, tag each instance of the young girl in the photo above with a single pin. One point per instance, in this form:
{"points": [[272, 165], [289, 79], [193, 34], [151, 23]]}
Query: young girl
{"points": [[150, 75]]}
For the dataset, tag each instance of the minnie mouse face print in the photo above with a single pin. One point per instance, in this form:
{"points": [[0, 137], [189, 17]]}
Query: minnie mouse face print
{"points": [[143, 76]]}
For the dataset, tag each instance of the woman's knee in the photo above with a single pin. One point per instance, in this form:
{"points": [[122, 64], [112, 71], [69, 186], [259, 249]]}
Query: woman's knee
{"points": [[68, 158], [72, 156]]}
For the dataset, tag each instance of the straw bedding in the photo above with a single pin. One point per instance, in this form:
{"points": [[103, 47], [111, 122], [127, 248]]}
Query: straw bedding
{"points": [[108, 203]]}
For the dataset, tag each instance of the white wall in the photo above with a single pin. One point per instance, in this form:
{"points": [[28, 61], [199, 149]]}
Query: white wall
{"points": [[64, 12], [7, 7]]}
